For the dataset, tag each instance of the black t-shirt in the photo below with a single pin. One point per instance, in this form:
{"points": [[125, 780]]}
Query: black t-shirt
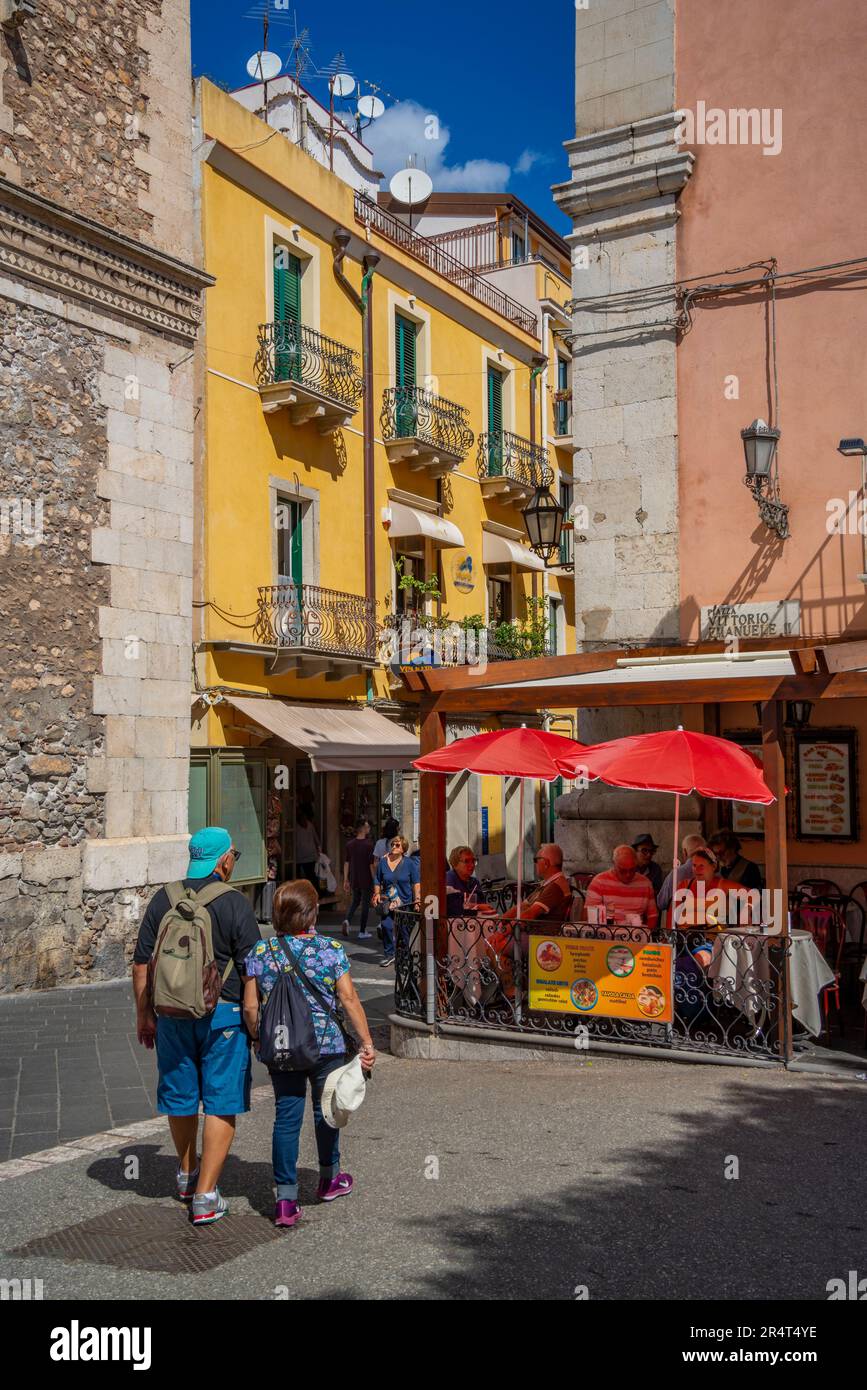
{"points": [[234, 931], [359, 857]]}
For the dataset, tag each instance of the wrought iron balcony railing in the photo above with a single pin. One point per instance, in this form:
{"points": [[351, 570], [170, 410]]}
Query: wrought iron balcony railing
{"points": [[314, 619], [567, 551], [409, 412], [386, 225], [506, 455], [419, 639], [291, 351]]}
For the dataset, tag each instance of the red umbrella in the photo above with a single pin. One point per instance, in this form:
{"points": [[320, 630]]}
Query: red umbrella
{"points": [[679, 761], [509, 753]]}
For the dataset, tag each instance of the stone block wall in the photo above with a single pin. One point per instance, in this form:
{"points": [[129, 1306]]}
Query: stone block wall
{"points": [[98, 319]]}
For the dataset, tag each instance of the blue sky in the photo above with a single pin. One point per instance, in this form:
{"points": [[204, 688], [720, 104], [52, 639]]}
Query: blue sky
{"points": [[499, 78]]}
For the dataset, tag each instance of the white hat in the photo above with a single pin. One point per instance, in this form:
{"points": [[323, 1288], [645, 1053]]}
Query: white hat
{"points": [[342, 1093]]}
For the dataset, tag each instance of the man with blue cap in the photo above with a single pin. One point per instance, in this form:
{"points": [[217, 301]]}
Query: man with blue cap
{"points": [[202, 1061]]}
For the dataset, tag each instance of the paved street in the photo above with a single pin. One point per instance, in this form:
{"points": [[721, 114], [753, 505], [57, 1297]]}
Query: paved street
{"points": [[70, 1064], [608, 1174]]}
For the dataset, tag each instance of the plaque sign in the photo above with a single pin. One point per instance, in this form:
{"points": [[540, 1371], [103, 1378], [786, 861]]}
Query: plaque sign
{"points": [[750, 620]]}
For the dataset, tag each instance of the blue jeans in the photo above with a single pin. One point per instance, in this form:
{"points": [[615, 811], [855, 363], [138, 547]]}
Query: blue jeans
{"points": [[362, 896], [290, 1094], [387, 925]]}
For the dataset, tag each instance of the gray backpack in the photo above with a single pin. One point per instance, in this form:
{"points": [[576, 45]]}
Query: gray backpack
{"points": [[183, 979]]}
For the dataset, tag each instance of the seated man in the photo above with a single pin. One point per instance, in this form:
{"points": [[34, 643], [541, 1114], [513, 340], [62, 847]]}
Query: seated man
{"points": [[734, 865], [622, 890], [552, 898]]}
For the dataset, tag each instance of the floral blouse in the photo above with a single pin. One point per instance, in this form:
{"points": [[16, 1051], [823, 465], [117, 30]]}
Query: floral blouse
{"points": [[319, 958]]}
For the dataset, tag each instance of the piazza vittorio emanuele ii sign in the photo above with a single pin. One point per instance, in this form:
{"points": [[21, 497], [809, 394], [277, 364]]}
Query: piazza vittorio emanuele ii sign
{"points": [[777, 618]]}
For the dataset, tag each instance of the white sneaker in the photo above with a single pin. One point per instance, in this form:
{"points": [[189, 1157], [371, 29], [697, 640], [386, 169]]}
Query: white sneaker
{"points": [[364, 935], [345, 927]]}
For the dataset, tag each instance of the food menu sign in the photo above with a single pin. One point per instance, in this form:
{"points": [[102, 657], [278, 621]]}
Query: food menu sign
{"points": [[611, 979], [747, 818], [825, 782]]}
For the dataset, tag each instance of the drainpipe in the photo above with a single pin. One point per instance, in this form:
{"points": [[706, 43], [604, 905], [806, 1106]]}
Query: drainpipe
{"points": [[364, 304]]}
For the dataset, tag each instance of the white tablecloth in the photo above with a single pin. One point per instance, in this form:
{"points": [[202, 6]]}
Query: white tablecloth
{"points": [[741, 975]]}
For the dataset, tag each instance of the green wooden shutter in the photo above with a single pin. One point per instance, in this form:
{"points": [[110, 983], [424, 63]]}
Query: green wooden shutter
{"points": [[495, 422], [404, 376], [287, 309]]}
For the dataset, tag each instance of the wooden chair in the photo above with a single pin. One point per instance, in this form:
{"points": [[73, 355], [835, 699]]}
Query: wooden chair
{"points": [[810, 889]]}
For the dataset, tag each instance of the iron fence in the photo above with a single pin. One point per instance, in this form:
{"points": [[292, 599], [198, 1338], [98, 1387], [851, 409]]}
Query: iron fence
{"points": [[291, 351], [316, 619], [729, 995], [506, 455], [420, 639], [384, 223], [410, 412]]}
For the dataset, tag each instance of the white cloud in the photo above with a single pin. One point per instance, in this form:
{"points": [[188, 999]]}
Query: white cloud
{"points": [[407, 128], [528, 159]]}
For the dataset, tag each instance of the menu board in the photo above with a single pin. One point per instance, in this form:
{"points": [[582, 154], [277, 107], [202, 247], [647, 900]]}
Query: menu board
{"points": [[749, 819], [613, 979], [825, 783]]}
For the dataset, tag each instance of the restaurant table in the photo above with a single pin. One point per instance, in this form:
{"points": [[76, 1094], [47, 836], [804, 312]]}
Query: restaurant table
{"points": [[741, 975]]}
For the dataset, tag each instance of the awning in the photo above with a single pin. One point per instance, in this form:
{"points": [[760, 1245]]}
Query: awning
{"points": [[336, 739], [499, 550], [414, 521]]}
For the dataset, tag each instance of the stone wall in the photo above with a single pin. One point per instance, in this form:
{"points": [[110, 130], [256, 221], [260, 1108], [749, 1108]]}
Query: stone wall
{"points": [[99, 320], [95, 112]]}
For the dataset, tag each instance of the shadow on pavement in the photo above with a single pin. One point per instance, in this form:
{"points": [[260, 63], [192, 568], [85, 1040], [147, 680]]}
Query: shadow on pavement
{"points": [[156, 1177]]}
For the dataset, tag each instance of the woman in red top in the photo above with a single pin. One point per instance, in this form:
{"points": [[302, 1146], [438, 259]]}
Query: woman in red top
{"points": [[705, 901]]}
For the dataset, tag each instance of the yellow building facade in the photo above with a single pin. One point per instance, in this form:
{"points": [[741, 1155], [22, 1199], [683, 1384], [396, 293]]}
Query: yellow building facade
{"points": [[372, 419]]}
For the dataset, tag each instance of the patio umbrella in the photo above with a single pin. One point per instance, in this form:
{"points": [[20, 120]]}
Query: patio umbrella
{"points": [[524, 753], [678, 761]]}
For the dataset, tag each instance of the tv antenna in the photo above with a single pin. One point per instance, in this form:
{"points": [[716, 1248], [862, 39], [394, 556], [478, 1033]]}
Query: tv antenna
{"points": [[264, 65], [411, 186], [340, 84]]}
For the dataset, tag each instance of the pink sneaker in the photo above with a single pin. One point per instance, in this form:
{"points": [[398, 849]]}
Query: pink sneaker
{"points": [[287, 1213], [331, 1188]]}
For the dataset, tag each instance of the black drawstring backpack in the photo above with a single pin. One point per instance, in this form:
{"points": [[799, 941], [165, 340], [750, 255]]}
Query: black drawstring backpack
{"points": [[287, 1033]]}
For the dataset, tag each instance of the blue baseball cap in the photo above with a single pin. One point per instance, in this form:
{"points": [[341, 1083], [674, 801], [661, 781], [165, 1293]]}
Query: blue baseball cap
{"points": [[206, 847]]}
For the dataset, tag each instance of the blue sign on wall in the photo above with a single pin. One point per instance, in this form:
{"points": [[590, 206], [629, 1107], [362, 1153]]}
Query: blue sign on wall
{"points": [[484, 830]]}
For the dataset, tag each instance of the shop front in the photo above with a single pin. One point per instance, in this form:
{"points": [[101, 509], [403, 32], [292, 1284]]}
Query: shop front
{"points": [[759, 989], [303, 778]]}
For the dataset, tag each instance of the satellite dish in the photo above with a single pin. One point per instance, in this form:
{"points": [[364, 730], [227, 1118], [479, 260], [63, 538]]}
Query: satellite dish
{"points": [[344, 85], [411, 186], [370, 107], [264, 66]]}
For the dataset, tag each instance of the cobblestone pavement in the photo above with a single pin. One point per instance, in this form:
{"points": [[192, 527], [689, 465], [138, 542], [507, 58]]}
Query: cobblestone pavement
{"points": [[70, 1063]]}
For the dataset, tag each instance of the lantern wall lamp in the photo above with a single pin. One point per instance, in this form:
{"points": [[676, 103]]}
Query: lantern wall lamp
{"points": [[760, 451]]}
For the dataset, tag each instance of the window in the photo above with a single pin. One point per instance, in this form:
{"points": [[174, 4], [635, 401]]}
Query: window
{"points": [[561, 407], [499, 601], [290, 549], [519, 248], [495, 422], [566, 537], [197, 806], [407, 601], [287, 314], [555, 627], [405, 335], [242, 812]]}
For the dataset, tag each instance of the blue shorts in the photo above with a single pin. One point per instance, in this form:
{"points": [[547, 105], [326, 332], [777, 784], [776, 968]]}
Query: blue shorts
{"points": [[204, 1061]]}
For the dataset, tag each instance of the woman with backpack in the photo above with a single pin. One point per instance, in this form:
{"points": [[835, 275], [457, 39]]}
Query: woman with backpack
{"points": [[314, 985]]}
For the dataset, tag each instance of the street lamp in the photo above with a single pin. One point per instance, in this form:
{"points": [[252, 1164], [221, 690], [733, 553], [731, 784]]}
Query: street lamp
{"points": [[798, 713], [760, 451], [852, 448], [543, 518]]}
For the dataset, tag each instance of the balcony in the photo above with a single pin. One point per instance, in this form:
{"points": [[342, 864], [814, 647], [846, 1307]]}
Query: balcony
{"points": [[421, 639], [315, 631], [436, 258], [564, 565], [311, 376], [511, 468], [425, 430]]}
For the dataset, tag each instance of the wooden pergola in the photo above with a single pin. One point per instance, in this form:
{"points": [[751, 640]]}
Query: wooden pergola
{"points": [[820, 671]]}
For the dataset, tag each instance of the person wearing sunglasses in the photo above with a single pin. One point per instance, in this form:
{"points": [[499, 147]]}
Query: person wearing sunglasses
{"points": [[396, 886], [463, 890]]}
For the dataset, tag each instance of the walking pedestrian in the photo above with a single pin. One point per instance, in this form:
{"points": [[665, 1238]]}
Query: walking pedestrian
{"points": [[358, 877], [307, 846], [203, 1052], [396, 885], [323, 972]]}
